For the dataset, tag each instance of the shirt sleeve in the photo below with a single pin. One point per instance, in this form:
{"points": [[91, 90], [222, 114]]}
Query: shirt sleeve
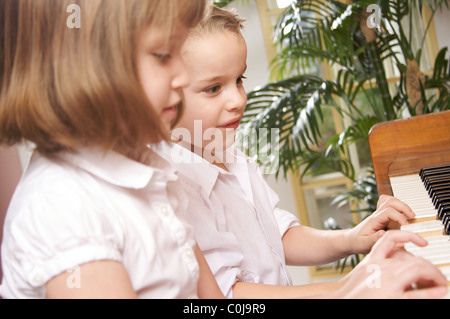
{"points": [[57, 231], [284, 218]]}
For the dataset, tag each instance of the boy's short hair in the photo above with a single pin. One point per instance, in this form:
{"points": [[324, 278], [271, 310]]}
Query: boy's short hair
{"points": [[64, 88], [219, 20]]}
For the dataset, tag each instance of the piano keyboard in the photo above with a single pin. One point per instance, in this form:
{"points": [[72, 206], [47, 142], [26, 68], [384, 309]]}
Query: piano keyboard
{"points": [[428, 195]]}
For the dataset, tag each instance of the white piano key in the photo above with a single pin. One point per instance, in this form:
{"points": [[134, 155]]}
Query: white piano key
{"points": [[411, 190], [427, 226], [434, 242], [436, 252], [446, 272]]}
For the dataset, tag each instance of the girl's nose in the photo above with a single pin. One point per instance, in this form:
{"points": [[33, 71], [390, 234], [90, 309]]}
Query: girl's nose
{"points": [[181, 78]]}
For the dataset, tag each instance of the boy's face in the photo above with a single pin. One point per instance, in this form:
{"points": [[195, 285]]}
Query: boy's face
{"points": [[215, 98]]}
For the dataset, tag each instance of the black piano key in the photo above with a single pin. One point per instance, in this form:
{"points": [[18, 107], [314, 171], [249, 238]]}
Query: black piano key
{"points": [[444, 211], [424, 172], [429, 182], [436, 175], [438, 189], [442, 200], [436, 181], [447, 225], [442, 208], [437, 195], [434, 171], [438, 184], [446, 220]]}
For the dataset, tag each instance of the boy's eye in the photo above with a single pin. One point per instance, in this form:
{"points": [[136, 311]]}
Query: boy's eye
{"points": [[241, 79], [212, 90]]}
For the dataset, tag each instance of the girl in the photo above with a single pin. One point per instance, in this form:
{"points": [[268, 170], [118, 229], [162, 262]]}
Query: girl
{"points": [[96, 214], [245, 237]]}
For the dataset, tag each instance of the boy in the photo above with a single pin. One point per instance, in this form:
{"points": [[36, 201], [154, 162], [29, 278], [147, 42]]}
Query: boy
{"points": [[246, 239]]}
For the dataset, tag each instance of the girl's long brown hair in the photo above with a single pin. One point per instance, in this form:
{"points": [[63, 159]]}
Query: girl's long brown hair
{"points": [[63, 88]]}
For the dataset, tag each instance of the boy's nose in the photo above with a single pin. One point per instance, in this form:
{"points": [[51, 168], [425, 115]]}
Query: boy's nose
{"points": [[238, 101]]}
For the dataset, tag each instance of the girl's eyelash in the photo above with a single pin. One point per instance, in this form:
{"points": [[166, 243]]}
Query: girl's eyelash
{"points": [[162, 56]]}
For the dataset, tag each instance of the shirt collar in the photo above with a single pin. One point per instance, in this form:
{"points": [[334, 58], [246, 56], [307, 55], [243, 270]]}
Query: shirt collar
{"points": [[242, 168], [189, 164], [114, 168]]}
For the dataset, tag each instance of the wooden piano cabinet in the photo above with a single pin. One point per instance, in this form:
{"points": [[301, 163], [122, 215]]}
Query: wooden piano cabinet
{"points": [[403, 147]]}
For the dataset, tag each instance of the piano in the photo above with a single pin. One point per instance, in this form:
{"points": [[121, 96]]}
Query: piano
{"points": [[411, 160]]}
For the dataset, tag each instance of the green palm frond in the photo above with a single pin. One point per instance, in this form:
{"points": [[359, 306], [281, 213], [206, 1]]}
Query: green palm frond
{"points": [[439, 82], [224, 3], [304, 35], [314, 31], [294, 107]]}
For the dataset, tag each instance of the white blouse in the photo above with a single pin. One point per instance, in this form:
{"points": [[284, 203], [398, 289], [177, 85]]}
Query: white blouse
{"points": [[236, 220], [92, 206]]}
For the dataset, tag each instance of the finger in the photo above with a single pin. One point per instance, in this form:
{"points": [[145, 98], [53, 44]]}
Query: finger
{"points": [[370, 240], [389, 201], [384, 216], [403, 255], [393, 239], [382, 200], [426, 293], [421, 273]]}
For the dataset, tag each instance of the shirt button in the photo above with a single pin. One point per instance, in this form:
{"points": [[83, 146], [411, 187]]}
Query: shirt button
{"points": [[38, 280], [164, 209], [189, 254]]}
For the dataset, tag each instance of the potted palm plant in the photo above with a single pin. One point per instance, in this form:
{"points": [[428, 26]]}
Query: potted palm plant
{"points": [[356, 40]]}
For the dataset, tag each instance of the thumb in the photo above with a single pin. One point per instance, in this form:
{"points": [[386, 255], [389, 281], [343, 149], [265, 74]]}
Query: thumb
{"points": [[373, 238]]}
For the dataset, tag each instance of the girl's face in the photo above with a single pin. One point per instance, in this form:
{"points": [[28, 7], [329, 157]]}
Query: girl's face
{"points": [[215, 100], [162, 72]]}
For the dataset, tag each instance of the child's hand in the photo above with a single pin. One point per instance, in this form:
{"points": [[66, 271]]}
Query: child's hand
{"points": [[389, 272], [362, 237]]}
